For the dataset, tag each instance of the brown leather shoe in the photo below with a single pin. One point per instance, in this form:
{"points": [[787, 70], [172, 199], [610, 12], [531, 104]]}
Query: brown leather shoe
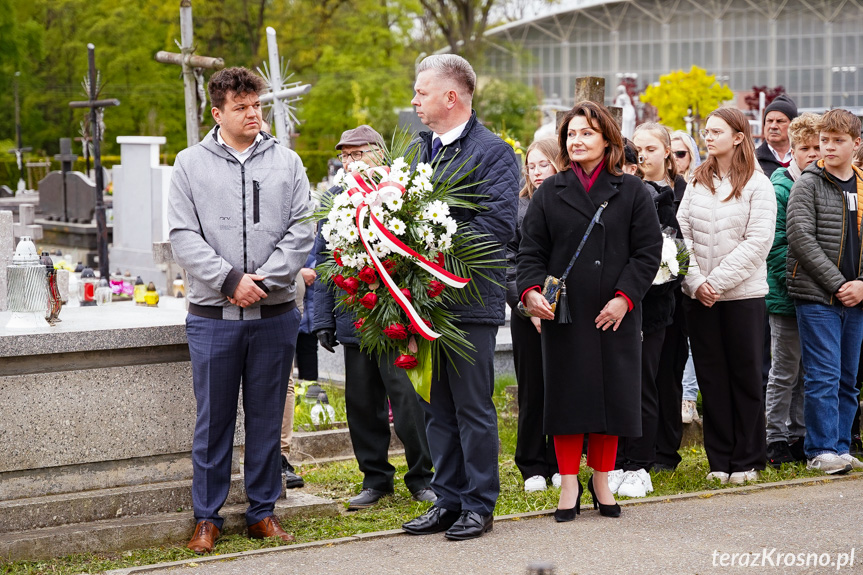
{"points": [[204, 539], [269, 527]]}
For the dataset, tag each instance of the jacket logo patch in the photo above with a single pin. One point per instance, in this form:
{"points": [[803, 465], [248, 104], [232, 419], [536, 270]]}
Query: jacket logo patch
{"points": [[225, 223]]}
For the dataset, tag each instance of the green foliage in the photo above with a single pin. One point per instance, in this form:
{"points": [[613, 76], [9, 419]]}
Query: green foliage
{"points": [[680, 93], [509, 107]]}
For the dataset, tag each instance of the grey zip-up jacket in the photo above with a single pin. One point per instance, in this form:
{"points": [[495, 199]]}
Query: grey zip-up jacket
{"points": [[228, 218], [816, 228]]}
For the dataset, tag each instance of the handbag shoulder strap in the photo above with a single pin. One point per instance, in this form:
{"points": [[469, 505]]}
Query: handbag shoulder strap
{"points": [[584, 239]]}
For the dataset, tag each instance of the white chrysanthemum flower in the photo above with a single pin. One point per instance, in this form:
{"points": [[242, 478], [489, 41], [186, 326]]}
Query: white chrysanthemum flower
{"points": [[451, 225], [424, 232], [371, 235], [379, 213], [401, 177], [381, 250], [414, 191], [395, 204], [436, 211], [399, 165], [425, 169], [341, 200], [339, 178], [327, 230], [397, 226], [445, 242], [358, 166], [425, 185], [348, 260], [387, 193], [348, 232]]}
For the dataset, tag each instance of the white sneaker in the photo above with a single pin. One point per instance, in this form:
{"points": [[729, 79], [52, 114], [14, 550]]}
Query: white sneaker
{"points": [[645, 478], [829, 463], [615, 478], [555, 480], [688, 412], [855, 463], [720, 476], [632, 485], [535, 483], [741, 477]]}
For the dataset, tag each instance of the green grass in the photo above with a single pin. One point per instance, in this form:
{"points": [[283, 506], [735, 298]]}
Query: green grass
{"points": [[341, 480]]}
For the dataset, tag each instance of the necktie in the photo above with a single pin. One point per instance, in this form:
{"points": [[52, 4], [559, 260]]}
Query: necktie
{"points": [[436, 146]]}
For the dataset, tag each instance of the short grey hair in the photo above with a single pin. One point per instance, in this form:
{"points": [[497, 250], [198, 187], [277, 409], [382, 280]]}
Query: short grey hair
{"points": [[451, 67]]}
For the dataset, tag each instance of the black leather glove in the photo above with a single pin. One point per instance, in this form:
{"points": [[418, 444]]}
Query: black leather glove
{"points": [[327, 338]]}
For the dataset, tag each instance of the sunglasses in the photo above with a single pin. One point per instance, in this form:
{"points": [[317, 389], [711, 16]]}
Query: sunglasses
{"points": [[681, 153]]}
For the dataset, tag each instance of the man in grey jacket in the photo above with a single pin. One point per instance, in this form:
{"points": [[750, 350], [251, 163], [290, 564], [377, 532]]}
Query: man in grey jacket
{"points": [[235, 212]]}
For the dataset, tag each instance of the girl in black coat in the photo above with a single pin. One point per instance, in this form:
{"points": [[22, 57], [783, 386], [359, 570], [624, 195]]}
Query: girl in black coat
{"points": [[592, 365]]}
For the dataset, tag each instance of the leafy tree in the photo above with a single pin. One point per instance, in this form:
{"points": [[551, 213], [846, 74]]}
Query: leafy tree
{"points": [[509, 107], [769, 95], [680, 94]]}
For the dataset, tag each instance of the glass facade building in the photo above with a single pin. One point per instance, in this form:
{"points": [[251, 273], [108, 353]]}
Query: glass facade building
{"points": [[811, 47]]}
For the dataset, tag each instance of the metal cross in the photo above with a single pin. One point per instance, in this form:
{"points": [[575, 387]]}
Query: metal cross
{"points": [[281, 94], [95, 107], [193, 78]]}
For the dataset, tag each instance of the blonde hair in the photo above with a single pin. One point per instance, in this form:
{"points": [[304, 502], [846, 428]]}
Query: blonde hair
{"points": [[694, 157], [803, 128], [547, 147], [662, 134]]}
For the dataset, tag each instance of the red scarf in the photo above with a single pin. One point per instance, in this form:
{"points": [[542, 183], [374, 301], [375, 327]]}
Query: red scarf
{"points": [[585, 178]]}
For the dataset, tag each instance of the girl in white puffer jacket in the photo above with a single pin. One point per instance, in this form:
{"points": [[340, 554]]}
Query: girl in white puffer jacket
{"points": [[727, 218]]}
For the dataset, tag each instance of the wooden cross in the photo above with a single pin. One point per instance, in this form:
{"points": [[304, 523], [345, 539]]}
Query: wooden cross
{"points": [[280, 95], [192, 76], [95, 105]]}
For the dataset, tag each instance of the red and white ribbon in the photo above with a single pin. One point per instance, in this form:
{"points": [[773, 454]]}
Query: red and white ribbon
{"points": [[360, 188]]}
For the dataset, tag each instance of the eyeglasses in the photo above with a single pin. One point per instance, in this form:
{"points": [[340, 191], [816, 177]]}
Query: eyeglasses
{"points": [[715, 133], [680, 153], [541, 165], [355, 156]]}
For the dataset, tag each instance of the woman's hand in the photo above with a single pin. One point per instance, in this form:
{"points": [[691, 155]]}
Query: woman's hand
{"points": [[537, 323], [706, 295], [612, 314], [537, 305]]}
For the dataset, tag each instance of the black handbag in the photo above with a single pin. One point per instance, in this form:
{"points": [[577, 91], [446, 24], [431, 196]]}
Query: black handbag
{"points": [[554, 289]]}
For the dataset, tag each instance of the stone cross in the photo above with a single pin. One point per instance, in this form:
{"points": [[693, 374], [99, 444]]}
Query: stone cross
{"points": [[193, 79], [7, 248], [280, 95], [26, 225], [593, 89], [19, 150], [95, 105]]}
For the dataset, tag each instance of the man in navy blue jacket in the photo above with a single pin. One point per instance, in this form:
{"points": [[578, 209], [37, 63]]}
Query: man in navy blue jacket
{"points": [[461, 422]]}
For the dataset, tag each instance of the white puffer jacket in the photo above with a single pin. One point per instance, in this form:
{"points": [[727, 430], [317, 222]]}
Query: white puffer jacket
{"points": [[730, 239]]}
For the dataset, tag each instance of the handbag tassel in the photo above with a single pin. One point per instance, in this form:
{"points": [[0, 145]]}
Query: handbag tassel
{"points": [[563, 306]]}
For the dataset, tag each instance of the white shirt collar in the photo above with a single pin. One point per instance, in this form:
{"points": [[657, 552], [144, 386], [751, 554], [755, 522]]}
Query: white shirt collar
{"points": [[451, 136], [787, 158], [241, 156]]}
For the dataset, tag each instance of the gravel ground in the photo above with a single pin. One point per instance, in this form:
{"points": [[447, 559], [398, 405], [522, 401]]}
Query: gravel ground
{"points": [[686, 535]]}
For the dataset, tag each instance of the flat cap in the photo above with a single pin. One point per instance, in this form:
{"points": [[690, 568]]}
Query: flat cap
{"points": [[360, 136]]}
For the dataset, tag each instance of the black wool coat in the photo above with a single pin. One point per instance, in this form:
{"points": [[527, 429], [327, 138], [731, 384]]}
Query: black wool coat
{"points": [[592, 377]]}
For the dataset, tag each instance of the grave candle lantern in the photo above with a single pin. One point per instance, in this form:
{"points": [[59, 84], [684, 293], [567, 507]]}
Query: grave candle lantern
{"points": [[87, 288], [27, 287], [140, 292], [151, 297]]}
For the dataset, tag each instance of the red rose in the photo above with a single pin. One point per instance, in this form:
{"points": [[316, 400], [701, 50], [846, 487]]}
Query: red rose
{"points": [[435, 288], [339, 280], [369, 300], [440, 260], [337, 255], [406, 361], [359, 323], [351, 285], [412, 329], [367, 274], [396, 331], [389, 265], [407, 294]]}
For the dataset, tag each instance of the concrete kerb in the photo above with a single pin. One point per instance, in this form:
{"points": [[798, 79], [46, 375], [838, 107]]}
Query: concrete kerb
{"points": [[742, 490]]}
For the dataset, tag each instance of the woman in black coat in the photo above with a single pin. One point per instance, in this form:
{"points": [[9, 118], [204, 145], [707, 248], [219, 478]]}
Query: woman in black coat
{"points": [[592, 366]]}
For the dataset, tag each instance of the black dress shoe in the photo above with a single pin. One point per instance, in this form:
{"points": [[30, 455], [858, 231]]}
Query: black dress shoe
{"points": [[610, 510], [292, 480], [424, 494], [434, 520], [470, 525], [564, 515], [366, 498]]}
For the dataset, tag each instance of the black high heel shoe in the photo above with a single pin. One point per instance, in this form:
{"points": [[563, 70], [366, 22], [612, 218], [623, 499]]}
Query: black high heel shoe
{"points": [[564, 515], [604, 510]]}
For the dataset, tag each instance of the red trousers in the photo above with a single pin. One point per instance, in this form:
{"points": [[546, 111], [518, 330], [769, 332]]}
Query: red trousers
{"points": [[601, 452]]}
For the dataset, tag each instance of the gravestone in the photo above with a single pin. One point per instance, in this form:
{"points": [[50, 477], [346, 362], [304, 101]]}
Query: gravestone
{"points": [[7, 248], [6, 191], [26, 225], [67, 197], [140, 208]]}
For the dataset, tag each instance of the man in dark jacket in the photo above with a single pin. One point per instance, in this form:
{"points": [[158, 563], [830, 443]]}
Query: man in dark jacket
{"points": [[461, 421], [369, 379], [775, 151]]}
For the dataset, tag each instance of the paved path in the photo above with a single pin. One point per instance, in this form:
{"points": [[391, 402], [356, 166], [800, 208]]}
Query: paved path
{"points": [[683, 535]]}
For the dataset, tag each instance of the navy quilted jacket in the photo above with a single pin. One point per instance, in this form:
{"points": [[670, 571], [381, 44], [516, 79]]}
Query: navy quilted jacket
{"points": [[498, 171]]}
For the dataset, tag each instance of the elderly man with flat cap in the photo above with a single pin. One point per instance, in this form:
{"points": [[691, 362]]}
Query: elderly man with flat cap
{"points": [[370, 380]]}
